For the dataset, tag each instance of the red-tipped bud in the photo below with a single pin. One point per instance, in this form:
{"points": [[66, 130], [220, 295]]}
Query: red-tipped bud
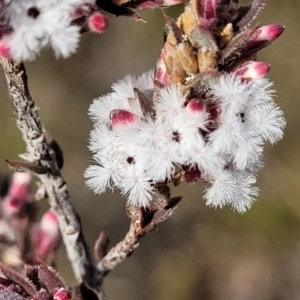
{"points": [[260, 38], [196, 106], [253, 70], [160, 73], [121, 117], [45, 235], [62, 294], [97, 22], [5, 50], [19, 193], [267, 33]]}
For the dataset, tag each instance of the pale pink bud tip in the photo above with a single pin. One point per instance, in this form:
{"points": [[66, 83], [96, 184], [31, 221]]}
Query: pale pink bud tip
{"points": [[196, 106], [98, 22], [160, 73], [21, 178], [253, 70], [121, 117], [269, 32], [5, 51], [49, 222], [45, 235], [62, 294], [19, 193]]}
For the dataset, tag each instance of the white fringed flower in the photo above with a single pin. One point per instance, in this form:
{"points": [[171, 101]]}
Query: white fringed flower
{"points": [[153, 134], [35, 24]]}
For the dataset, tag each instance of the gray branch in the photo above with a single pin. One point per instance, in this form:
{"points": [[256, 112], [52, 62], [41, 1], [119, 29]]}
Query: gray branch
{"points": [[120, 252], [42, 161], [40, 154]]}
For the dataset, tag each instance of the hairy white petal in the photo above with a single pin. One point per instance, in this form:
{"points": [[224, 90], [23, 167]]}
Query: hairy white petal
{"points": [[103, 141], [230, 92], [203, 156], [65, 41], [98, 178], [170, 105], [125, 87], [268, 121], [161, 164], [101, 107], [232, 188], [136, 186]]}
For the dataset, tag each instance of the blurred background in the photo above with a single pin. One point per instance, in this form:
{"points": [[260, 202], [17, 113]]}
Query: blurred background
{"points": [[199, 253]]}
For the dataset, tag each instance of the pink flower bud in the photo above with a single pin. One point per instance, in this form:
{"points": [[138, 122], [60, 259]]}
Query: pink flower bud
{"points": [[121, 117], [5, 50], [97, 22], [19, 193], [62, 294], [260, 38], [45, 235], [160, 74], [196, 106], [49, 222], [253, 70], [267, 33]]}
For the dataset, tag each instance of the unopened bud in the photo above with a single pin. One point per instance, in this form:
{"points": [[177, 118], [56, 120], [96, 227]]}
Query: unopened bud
{"points": [[19, 193], [62, 294], [260, 38], [187, 21], [121, 117], [196, 106], [97, 22], [173, 65], [185, 54], [160, 74], [253, 70], [5, 50], [267, 32], [49, 222], [206, 60], [45, 235]]}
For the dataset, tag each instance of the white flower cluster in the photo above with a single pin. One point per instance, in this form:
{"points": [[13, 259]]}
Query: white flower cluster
{"points": [[34, 24], [221, 135]]}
